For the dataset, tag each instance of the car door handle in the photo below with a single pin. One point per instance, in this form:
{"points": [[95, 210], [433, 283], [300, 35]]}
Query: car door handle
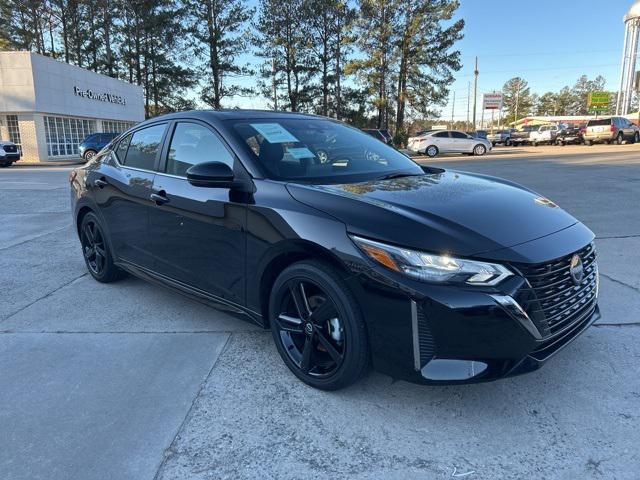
{"points": [[159, 198], [100, 183]]}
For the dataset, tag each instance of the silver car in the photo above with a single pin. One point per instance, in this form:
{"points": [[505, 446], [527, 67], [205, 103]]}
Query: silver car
{"points": [[448, 141]]}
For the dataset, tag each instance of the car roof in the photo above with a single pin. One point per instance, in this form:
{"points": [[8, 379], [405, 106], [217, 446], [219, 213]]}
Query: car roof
{"points": [[231, 114]]}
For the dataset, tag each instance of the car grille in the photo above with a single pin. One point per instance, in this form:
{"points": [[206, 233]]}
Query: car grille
{"points": [[554, 303]]}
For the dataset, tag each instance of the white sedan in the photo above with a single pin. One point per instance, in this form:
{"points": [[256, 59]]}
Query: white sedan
{"points": [[448, 141]]}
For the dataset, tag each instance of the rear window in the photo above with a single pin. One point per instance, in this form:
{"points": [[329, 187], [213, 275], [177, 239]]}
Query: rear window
{"points": [[601, 122]]}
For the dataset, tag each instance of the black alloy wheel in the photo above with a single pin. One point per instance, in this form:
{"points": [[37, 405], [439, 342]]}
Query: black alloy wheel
{"points": [[317, 326], [95, 249]]}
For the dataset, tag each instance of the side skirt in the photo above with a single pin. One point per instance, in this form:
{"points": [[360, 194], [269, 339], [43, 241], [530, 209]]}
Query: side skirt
{"points": [[191, 292]]}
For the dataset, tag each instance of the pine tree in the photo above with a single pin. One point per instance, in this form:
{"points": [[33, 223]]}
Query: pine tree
{"points": [[516, 99]]}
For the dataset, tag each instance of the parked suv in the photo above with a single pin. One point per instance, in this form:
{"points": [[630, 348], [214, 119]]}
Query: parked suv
{"points": [[9, 153], [522, 137], [94, 143], [611, 129]]}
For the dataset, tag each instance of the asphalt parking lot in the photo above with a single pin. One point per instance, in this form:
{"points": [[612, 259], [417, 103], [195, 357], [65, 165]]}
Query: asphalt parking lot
{"points": [[131, 381]]}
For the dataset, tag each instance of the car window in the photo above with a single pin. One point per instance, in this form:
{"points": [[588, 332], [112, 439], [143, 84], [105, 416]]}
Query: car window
{"points": [[441, 135], [317, 151], [121, 149], [192, 144], [144, 147], [602, 122], [458, 135]]}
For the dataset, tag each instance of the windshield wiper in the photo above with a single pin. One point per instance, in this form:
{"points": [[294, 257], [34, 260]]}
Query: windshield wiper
{"points": [[391, 176]]}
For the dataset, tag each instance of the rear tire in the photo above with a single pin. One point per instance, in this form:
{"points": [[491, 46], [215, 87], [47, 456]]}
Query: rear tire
{"points": [[5, 165], [432, 151], [636, 138], [588, 143], [96, 250], [330, 351], [620, 139]]}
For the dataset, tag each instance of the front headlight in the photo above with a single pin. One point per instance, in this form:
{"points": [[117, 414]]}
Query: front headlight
{"points": [[429, 267]]}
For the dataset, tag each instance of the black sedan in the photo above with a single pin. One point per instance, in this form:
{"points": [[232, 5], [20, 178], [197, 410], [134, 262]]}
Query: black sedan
{"points": [[358, 258]]}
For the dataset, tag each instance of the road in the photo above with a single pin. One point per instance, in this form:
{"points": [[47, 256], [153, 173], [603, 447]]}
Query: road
{"points": [[131, 381]]}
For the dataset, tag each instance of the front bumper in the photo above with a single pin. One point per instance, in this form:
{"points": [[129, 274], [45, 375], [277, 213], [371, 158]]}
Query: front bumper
{"points": [[437, 334]]}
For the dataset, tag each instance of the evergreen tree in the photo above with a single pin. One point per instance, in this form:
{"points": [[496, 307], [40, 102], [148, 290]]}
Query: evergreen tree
{"points": [[517, 100]]}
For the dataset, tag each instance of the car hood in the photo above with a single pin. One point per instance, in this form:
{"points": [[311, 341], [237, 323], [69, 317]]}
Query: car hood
{"points": [[448, 211]]}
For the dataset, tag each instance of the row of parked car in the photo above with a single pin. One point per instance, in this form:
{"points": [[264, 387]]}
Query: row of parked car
{"points": [[599, 130]]}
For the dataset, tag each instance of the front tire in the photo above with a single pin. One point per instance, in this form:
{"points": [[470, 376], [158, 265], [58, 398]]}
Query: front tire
{"points": [[89, 154], [97, 251], [317, 326], [479, 150], [5, 164]]}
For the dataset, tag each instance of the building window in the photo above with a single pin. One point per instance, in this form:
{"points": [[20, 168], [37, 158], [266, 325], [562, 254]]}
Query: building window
{"points": [[64, 134], [14, 129], [109, 126]]}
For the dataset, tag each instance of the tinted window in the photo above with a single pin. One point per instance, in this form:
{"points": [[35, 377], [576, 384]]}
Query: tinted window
{"points": [[192, 144], [144, 147], [121, 150], [458, 135], [441, 135], [602, 122], [318, 150]]}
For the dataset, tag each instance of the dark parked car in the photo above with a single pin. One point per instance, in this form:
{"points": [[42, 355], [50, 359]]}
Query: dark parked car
{"points": [[570, 134], [95, 142], [9, 153], [381, 134], [427, 274]]}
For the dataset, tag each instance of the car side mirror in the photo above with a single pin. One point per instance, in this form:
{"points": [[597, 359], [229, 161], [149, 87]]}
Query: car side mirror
{"points": [[211, 175]]}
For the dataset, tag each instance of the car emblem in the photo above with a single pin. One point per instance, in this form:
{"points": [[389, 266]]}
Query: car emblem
{"points": [[308, 329], [576, 269]]}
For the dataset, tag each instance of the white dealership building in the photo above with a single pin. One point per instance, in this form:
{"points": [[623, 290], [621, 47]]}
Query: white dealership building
{"points": [[48, 107]]}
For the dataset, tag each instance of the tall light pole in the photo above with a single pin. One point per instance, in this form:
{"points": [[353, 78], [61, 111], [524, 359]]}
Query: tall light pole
{"points": [[475, 93], [453, 109], [629, 58], [468, 102]]}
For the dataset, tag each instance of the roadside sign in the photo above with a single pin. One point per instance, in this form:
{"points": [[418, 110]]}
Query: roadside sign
{"points": [[492, 101], [599, 99]]}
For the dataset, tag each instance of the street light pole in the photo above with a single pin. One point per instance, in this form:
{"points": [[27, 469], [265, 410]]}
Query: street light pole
{"points": [[468, 102], [475, 93], [453, 109]]}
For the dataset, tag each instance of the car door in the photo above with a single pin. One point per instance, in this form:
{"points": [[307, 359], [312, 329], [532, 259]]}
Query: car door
{"points": [[460, 142], [122, 187], [442, 141], [198, 233]]}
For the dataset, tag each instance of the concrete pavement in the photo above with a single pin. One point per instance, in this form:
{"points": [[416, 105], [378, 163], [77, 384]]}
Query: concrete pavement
{"points": [[144, 383]]}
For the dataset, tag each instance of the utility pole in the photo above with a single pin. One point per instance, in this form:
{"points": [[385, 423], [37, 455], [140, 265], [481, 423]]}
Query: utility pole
{"points": [[453, 109], [475, 93], [468, 103]]}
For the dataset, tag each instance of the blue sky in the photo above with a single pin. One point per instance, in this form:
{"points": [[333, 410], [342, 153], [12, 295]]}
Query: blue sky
{"points": [[550, 43]]}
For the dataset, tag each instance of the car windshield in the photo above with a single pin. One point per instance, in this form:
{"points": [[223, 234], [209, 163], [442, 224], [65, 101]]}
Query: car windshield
{"points": [[319, 151]]}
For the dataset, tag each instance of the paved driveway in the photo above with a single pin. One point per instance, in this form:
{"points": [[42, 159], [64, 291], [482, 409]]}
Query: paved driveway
{"points": [[141, 383]]}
